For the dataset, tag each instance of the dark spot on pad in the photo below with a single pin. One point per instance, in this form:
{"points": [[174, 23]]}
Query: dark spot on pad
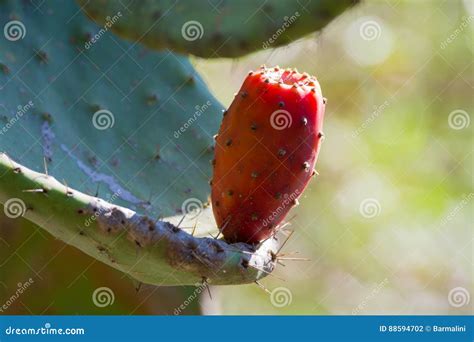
{"points": [[42, 57], [4, 69], [151, 100], [156, 15]]}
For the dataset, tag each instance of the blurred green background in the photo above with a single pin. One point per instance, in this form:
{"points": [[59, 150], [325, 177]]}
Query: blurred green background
{"points": [[387, 225]]}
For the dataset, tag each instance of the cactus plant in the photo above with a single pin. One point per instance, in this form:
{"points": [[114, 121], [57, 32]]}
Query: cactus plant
{"points": [[86, 114], [214, 29], [127, 131]]}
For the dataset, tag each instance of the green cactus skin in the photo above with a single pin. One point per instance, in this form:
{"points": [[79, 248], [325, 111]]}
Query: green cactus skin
{"points": [[216, 28], [151, 95], [51, 86], [151, 251]]}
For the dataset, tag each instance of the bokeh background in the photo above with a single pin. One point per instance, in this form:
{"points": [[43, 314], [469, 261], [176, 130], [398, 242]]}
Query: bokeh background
{"points": [[386, 226]]}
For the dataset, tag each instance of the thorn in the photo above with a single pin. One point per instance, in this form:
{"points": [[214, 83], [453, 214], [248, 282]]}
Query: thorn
{"points": [[227, 220], [36, 190], [97, 191], [194, 228], [284, 243], [45, 166], [294, 258], [262, 287], [217, 236], [68, 192], [138, 287], [181, 221]]}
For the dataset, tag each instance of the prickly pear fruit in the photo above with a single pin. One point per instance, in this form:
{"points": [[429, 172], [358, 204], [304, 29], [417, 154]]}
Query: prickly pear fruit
{"points": [[265, 152]]}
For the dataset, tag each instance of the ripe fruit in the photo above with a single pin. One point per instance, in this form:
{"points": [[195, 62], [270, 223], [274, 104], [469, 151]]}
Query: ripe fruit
{"points": [[265, 152]]}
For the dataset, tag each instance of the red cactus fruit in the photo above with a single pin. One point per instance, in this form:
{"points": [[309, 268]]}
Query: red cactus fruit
{"points": [[265, 152]]}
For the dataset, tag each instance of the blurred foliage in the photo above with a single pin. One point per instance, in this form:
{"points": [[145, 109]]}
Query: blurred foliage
{"points": [[388, 138]]}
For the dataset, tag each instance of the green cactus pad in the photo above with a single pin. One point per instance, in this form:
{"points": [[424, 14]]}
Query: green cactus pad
{"points": [[214, 29]]}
